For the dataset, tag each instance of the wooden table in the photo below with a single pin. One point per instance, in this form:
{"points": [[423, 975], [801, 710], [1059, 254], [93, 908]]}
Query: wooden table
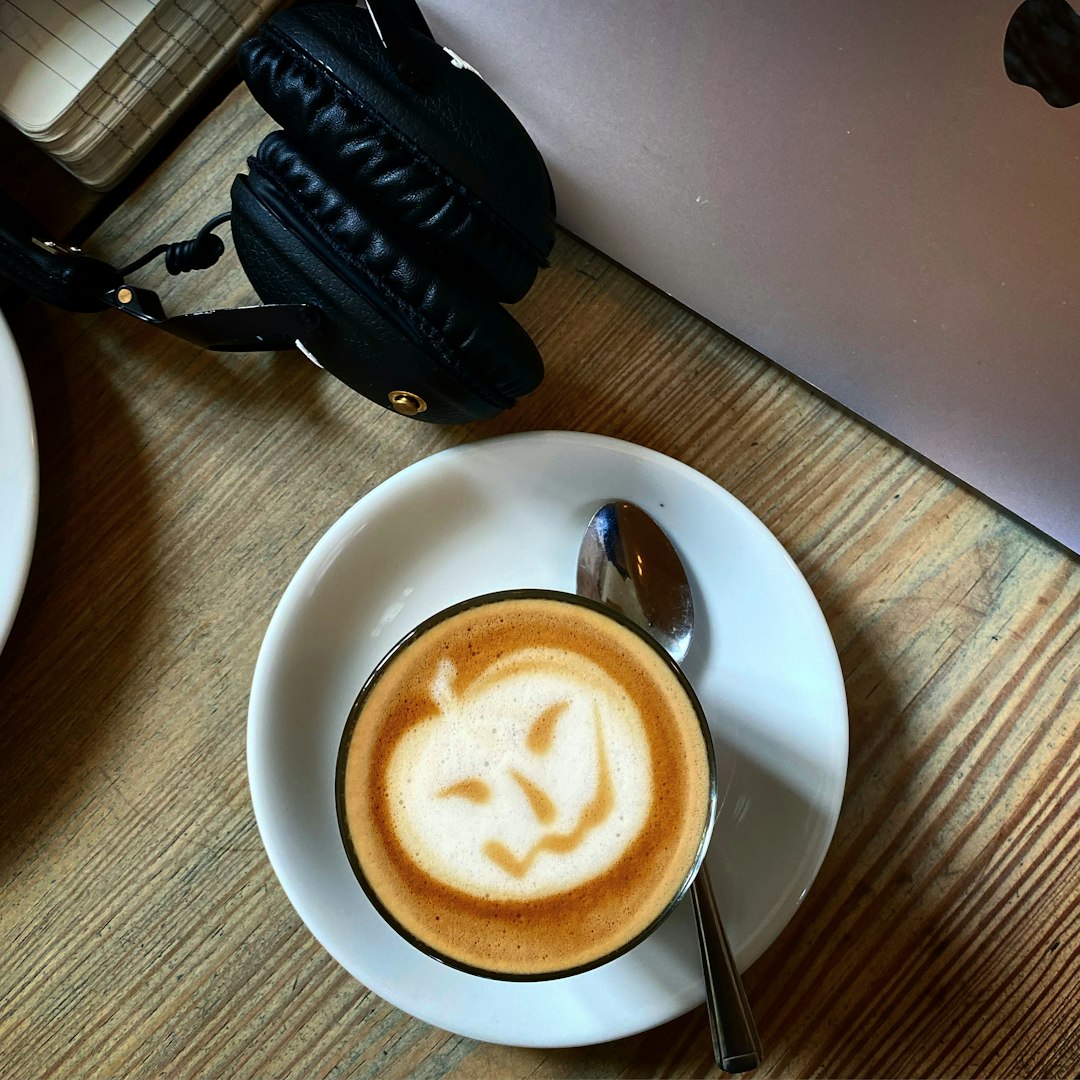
{"points": [[143, 930]]}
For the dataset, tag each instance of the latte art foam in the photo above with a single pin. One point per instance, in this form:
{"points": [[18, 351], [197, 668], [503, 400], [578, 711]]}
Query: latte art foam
{"points": [[532, 781], [525, 785]]}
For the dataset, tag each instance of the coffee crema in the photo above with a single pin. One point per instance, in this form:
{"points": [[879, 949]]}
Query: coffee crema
{"points": [[525, 785]]}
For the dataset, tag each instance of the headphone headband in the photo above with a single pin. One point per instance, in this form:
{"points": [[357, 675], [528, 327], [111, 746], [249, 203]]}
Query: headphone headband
{"points": [[67, 278], [57, 274]]}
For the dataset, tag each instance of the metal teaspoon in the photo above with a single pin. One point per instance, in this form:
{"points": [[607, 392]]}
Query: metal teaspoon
{"points": [[627, 562]]}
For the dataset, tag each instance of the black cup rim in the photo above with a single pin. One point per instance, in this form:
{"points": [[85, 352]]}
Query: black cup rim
{"points": [[346, 739]]}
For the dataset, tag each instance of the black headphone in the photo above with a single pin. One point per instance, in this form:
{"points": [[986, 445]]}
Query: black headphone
{"points": [[400, 206]]}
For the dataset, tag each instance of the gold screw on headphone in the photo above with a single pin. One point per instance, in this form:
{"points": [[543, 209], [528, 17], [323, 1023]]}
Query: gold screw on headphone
{"points": [[407, 403]]}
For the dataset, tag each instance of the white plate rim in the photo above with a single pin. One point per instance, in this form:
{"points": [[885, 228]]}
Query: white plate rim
{"points": [[263, 799], [19, 480]]}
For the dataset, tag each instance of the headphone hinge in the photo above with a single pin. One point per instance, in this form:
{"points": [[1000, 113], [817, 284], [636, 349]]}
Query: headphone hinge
{"points": [[258, 328]]}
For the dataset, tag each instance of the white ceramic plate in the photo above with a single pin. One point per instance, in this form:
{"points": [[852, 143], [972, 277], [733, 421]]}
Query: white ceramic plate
{"points": [[510, 512], [18, 480]]}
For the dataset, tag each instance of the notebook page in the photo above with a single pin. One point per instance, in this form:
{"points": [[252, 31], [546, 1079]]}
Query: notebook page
{"points": [[50, 51]]}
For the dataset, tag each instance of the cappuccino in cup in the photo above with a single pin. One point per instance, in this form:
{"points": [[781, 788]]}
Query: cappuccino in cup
{"points": [[525, 786]]}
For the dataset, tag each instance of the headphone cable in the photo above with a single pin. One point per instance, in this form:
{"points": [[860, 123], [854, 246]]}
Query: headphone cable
{"points": [[199, 253]]}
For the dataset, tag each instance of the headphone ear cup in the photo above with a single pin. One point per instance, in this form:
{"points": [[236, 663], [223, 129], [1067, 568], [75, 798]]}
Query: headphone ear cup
{"points": [[390, 324], [448, 162]]}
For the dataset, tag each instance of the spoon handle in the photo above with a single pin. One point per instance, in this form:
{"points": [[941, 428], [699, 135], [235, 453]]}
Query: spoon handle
{"points": [[735, 1040]]}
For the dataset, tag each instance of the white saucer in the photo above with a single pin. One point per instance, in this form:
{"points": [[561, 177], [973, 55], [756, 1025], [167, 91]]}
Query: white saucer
{"points": [[510, 512], [18, 480]]}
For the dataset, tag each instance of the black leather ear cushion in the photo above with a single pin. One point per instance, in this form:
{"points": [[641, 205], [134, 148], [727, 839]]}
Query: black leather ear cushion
{"points": [[449, 161], [389, 323]]}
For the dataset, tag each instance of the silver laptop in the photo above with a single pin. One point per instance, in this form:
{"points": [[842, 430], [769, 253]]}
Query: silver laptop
{"points": [[861, 191]]}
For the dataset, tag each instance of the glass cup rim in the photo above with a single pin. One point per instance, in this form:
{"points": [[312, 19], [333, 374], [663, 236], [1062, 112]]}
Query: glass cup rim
{"points": [[372, 679]]}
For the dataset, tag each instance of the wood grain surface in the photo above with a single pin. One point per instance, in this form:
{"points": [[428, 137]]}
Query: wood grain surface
{"points": [[143, 931]]}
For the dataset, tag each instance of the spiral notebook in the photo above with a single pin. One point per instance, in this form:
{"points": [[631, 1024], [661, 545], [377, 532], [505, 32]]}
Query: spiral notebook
{"points": [[95, 83]]}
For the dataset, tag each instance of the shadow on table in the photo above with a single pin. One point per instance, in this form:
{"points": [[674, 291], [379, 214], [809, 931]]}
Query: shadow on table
{"points": [[77, 628], [112, 401]]}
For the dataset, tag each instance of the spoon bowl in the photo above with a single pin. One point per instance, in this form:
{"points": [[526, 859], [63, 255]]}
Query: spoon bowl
{"points": [[627, 562]]}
